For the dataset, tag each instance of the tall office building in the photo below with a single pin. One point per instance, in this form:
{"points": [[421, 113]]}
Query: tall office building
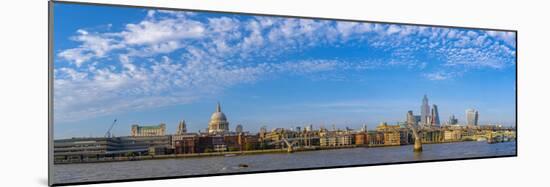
{"points": [[411, 118], [453, 120], [424, 111], [434, 116], [417, 118], [310, 128], [472, 117]]}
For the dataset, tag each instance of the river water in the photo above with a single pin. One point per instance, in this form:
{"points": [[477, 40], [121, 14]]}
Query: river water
{"points": [[69, 173]]}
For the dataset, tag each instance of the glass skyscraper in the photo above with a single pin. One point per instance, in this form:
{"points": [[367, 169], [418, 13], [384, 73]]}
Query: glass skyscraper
{"points": [[424, 111], [472, 117], [434, 116]]}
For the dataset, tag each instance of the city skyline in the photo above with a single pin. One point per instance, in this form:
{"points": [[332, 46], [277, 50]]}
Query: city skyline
{"points": [[148, 67], [175, 128]]}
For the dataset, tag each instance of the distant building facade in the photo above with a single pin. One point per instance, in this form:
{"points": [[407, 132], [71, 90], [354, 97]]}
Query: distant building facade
{"points": [[335, 140], [83, 149], [452, 135], [154, 130], [375, 138], [361, 138], [185, 144], [393, 134]]}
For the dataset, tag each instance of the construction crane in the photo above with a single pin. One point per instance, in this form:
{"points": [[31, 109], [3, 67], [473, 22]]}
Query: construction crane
{"points": [[108, 133]]}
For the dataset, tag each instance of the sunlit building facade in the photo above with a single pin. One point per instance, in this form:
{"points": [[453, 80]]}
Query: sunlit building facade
{"points": [[218, 122], [152, 130]]}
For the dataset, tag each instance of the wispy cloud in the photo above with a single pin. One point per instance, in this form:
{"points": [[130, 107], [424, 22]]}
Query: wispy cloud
{"points": [[92, 46], [440, 75], [178, 57]]}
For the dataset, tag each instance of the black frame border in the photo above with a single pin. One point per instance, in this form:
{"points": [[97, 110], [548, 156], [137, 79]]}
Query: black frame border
{"points": [[50, 18]]}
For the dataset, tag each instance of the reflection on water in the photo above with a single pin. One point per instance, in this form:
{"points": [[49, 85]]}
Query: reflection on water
{"points": [[417, 155], [68, 173]]}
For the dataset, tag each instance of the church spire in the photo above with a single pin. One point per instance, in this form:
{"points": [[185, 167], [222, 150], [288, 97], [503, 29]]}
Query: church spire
{"points": [[218, 108]]}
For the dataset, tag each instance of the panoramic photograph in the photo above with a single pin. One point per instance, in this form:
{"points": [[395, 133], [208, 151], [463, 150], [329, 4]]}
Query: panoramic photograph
{"points": [[144, 93]]}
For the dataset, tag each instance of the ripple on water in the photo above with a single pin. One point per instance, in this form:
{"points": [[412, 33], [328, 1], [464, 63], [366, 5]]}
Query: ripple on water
{"points": [[67, 173]]}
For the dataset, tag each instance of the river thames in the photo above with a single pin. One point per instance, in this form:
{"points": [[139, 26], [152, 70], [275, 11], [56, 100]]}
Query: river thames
{"points": [[70, 173]]}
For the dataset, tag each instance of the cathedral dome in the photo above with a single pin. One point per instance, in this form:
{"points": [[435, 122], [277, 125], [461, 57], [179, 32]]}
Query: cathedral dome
{"points": [[218, 116], [218, 121]]}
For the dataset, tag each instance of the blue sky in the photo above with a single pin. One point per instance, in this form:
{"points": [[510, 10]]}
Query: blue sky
{"points": [[150, 66]]}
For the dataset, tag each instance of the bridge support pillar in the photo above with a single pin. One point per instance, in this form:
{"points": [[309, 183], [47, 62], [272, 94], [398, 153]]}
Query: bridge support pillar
{"points": [[417, 145]]}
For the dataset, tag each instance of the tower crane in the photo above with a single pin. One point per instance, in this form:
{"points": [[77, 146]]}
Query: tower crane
{"points": [[108, 133]]}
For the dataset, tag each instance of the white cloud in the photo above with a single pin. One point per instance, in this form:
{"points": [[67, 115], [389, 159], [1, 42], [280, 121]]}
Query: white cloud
{"points": [[441, 75], [223, 24], [163, 83], [92, 46], [210, 55], [393, 29], [307, 66], [507, 37], [346, 28], [76, 55], [153, 31]]}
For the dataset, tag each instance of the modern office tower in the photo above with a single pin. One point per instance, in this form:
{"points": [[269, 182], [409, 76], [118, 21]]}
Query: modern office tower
{"points": [[218, 122], [424, 111], [434, 116], [309, 128], [411, 118], [182, 127], [417, 118], [453, 120], [239, 128], [472, 117]]}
